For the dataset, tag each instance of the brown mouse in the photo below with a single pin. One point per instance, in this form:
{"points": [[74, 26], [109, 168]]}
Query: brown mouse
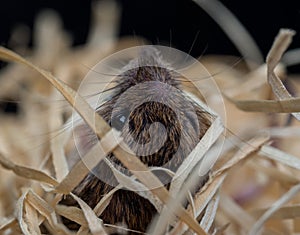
{"points": [[157, 121]]}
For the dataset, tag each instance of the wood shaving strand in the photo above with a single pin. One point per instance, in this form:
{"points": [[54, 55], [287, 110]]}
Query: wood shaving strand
{"points": [[257, 227]]}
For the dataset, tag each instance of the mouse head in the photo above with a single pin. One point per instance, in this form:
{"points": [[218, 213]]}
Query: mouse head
{"points": [[157, 120]]}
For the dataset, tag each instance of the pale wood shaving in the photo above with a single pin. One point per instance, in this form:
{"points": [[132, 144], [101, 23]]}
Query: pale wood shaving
{"points": [[245, 151], [72, 213], [26, 172], [210, 213], [280, 156], [95, 224], [58, 141], [268, 106], [285, 212], [236, 213], [256, 229], [89, 161], [7, 223], [282, 41]]}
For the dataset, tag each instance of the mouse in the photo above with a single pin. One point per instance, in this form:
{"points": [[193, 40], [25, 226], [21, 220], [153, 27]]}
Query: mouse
{"points": [[158, 122]]}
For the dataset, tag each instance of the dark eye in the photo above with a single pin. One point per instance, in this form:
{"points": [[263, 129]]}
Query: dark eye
{"points": [[9, 106], [119, 119]]}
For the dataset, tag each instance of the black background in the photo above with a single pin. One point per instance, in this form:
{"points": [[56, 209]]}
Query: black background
{"points": [[166, 22]]}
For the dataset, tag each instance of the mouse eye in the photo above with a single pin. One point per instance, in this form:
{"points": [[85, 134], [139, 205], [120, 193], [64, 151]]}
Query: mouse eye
{"points": [[119, 119], [122, 119]]}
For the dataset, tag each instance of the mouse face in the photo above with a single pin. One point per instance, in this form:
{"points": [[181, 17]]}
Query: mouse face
{"points": [[159, 123]]}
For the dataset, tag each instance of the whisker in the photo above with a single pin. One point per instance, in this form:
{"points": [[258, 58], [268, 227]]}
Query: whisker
{"points": [[170, 32], [194, 41], [157, 40], [98, 72], [106, 90], [214, 74], [203, 52]]}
